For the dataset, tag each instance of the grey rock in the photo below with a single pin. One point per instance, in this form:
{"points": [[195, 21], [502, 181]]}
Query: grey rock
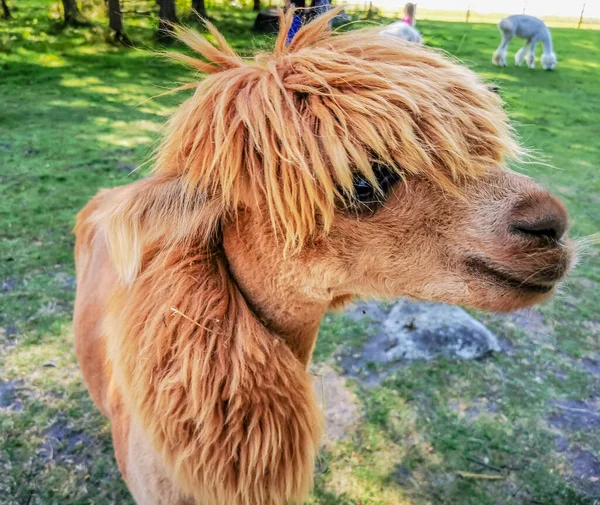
{"points": [[411, 330], [372, 310], [424, 330]]}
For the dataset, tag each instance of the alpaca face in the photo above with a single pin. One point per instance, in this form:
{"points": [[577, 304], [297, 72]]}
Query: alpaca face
{"points": [[549, 61], [500, 248], [377, 165]]}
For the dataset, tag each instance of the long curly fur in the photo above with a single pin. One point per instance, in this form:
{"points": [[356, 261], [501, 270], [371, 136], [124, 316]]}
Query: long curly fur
{"points": [[227, 404]]}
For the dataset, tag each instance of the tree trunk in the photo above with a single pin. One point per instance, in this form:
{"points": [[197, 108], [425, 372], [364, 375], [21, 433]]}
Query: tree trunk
{"points": [[256, 5], [115, 21], [115, 17], [5, 10], [73, 16], [167, 16], [199, 8]]}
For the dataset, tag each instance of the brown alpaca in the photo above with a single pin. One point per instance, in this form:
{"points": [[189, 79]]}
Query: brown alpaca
{"points": [[339, 166]]}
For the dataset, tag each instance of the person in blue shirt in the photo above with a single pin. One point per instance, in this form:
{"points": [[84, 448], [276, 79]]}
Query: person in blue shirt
{"points": [[296, 25]]}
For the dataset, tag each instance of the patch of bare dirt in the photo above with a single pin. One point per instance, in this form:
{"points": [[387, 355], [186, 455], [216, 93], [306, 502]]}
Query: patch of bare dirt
{"points": [[584, 466], [340, 404], [63, 444], [570, 416], [402, 476], [586, 469], [8, 337], [575, 415], [592, 365], [7, 285], [9, 395]]}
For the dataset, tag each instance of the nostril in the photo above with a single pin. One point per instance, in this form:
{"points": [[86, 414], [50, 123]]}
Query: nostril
{"points": [[539, 217], [550, 228]]}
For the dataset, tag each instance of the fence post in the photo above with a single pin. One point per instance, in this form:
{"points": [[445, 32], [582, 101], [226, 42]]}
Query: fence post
{"points": [[468, 13], [581, 16]]}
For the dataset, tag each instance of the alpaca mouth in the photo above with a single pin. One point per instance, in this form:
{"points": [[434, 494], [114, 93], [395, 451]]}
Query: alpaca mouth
{"points": [[504, 279]]}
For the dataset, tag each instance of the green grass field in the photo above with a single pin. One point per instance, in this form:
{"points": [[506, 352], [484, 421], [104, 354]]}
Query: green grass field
{"points": [[77, 114]]}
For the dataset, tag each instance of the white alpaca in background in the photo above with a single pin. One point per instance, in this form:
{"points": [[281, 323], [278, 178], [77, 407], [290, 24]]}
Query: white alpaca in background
{"points": [[405, 29], [533, 30]]}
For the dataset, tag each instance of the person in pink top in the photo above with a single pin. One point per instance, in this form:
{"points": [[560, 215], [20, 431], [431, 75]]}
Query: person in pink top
{"points": [[405, 27], [409, 14]]}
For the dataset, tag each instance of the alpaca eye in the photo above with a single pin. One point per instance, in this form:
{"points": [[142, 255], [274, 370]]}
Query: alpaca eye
{"points": [[366, 197]]}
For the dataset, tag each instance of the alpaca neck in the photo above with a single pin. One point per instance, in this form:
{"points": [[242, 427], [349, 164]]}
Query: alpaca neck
{"points": [[547, 44], [271, 288]]}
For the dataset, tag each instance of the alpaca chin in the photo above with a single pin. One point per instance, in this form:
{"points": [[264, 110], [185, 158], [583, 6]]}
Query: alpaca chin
{"points": [[548, 61]]}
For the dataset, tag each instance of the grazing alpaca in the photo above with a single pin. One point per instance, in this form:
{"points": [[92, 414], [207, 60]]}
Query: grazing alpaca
{"points": [[405, 29], [402, 30], [533, 30], [335, 166]]}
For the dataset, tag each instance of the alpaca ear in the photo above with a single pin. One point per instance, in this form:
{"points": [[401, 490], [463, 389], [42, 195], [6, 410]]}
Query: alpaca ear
{"points": [[157, 212], [126, 241], [118, 219]]}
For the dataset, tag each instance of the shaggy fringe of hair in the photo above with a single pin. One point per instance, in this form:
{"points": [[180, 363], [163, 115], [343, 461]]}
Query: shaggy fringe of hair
{"points": [[227, 404], [290, 128]]}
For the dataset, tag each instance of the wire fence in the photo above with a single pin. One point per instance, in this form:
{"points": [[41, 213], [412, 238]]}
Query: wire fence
{"points": [[582, 15]]}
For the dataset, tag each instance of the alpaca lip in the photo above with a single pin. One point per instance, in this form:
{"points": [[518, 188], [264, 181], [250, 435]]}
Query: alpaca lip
{"points": [[481, 266]]}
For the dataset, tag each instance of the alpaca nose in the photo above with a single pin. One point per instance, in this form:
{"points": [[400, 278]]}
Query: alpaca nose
{"points": [[540, 217], [548, 228]]}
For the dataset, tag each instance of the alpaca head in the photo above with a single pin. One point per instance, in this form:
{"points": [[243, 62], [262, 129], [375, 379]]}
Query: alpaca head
{"points": [[549, 61], [368, 168]]}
